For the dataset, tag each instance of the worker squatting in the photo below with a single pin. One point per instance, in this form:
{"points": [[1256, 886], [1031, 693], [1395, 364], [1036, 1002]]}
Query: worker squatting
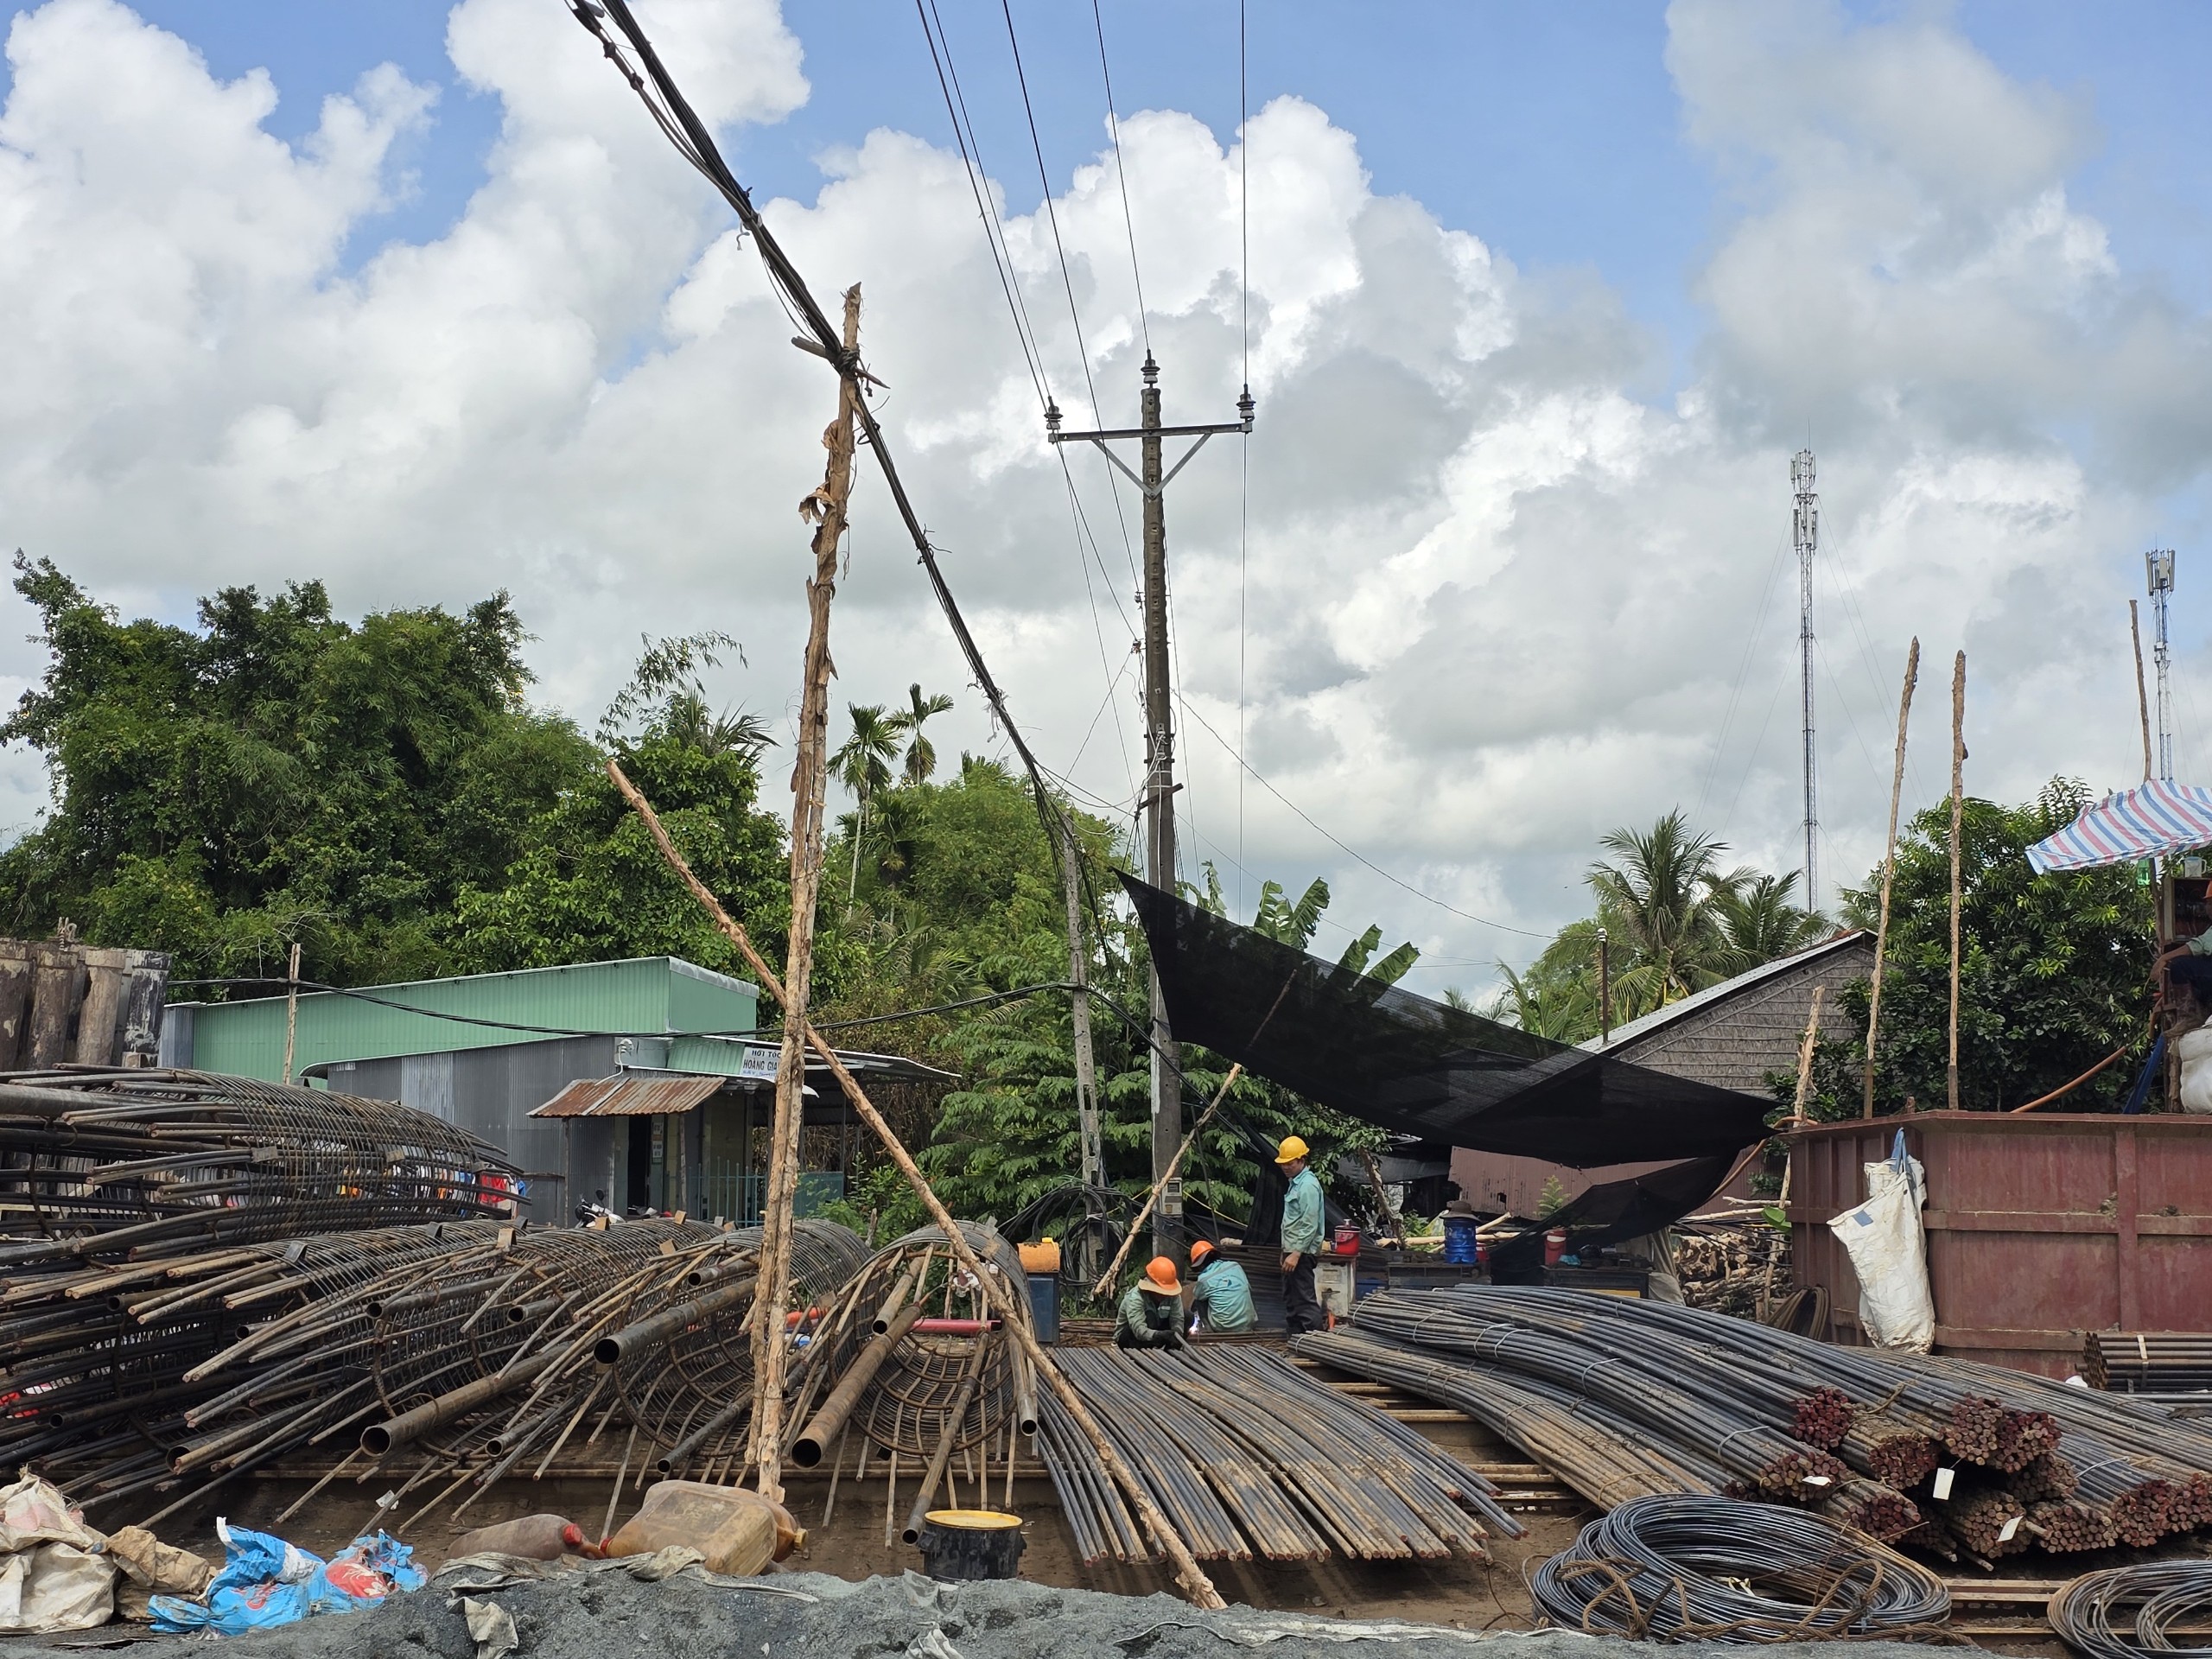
{"points": [[1152, 1314]]}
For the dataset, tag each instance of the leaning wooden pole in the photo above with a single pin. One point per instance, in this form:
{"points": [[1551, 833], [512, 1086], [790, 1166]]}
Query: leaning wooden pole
{"points": [[2142, 696], [1958, 815], [826, 509], [1195, 1585], [1174, 1165], [1889, 870], [1805, 1059]]}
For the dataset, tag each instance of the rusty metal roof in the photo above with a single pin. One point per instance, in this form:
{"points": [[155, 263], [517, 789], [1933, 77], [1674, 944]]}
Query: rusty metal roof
{"points": [[630, 1095]]}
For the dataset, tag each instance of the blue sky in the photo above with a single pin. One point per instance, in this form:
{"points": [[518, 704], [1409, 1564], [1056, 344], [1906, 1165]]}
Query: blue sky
{"points": [[1552, 131], [1507, 556]]}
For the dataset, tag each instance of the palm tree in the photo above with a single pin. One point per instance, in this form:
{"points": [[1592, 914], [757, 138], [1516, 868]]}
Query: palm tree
{"points": [[1662, 899], [1760, 923], [737, 731], [863, 766], [921, 754]]}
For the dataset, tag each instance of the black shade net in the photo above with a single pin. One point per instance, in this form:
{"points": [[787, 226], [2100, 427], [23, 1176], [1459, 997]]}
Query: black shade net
{"points": [[1389, 1057], [1612, 1211]]}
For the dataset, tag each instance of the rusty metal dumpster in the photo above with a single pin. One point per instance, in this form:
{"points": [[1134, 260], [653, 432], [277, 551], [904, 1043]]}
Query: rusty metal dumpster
{"points": [[2040, 1228]]}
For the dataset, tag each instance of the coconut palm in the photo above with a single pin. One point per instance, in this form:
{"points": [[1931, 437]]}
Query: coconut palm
{"points": [[733, 731], [1660, 900], [1760, 923], [862, 763], [921, 754]]}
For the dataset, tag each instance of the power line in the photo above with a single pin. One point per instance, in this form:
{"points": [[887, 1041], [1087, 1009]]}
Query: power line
{"points": [[1349, 851], [1122, 173]]}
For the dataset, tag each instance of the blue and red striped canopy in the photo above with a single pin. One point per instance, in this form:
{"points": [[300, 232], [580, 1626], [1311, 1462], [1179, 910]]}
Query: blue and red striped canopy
{"points": [[2151, 819]]}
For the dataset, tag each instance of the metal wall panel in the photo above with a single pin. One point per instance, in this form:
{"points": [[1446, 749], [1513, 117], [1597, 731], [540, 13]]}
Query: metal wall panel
{"points": [[2040, 1228]]}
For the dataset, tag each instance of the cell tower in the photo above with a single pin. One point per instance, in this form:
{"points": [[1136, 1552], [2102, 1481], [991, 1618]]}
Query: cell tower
{"points": [[2159, 565], [1805, 532]]}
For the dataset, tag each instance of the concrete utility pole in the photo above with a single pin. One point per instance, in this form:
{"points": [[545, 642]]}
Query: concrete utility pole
{"points": [[1086, 1068], [1159, 749]]}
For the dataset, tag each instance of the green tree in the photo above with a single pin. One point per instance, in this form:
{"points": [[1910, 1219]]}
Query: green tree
{"points": [[921, 754], [275, 774], [862, 765], [1759, 923], [2054, 973], [588, 884]]}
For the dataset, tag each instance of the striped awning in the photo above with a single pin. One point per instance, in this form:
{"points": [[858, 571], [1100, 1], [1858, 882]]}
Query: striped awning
{"points": [[2151, 819]]}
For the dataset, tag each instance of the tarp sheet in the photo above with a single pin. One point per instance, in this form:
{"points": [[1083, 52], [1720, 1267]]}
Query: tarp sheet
{"points": [[1389, 1057], [2151, 820], [1610, 1212]]}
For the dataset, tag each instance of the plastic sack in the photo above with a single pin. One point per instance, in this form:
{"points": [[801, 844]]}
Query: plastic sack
{"points": [[2193, 1050], [1888, 1254], [266, 1582], [150, 1568], [53, 1575]]}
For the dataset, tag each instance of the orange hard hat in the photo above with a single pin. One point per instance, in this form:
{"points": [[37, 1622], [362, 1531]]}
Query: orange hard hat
{"points": [[1200, 1249], [1160, 1277]]}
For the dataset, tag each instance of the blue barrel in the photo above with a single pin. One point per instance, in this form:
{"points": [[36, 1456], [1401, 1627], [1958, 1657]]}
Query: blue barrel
{"points": [[1459, 1244], [1045, 1305]]}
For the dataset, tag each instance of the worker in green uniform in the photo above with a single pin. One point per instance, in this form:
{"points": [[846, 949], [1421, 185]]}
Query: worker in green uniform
{"points": [[1220, 1294], [1302, 1221], [1151, 1312]]}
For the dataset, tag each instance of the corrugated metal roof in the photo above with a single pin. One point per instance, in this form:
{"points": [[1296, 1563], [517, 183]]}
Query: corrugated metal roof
{"points": [[629, 1096]]}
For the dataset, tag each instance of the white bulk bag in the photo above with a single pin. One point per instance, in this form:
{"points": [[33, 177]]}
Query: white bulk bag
{"points": [[1888, 1254]]}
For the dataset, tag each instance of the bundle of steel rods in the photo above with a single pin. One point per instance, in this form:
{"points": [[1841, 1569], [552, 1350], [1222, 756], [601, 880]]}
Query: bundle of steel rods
{"points": [[1933, 1452], [2148, 1362], [1247, 1456], [2130, 1612], [1679, 1569], [104, 1165]]}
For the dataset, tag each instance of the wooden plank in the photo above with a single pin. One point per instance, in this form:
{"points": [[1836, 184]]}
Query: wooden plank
{"points": [[57, 984], [100, 1016], [15, 968]]}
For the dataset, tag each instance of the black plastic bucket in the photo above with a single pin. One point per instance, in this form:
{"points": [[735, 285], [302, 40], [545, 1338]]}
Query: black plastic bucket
{"points": [[971, 1544]]}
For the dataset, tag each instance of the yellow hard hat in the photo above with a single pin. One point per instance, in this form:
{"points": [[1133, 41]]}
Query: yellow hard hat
{"points": [[1160, 1277], [1291, 1150]]}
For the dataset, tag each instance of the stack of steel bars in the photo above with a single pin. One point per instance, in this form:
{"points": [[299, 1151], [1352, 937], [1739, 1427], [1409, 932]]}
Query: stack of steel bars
{"points": [[1247, 1456], [1938, 1452], [452, 1351], [102, 1165], [2148, 1362]]}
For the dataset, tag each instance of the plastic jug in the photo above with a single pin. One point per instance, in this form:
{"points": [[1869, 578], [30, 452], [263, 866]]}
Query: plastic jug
{"points": [[537, 1537], [739, 1533]]}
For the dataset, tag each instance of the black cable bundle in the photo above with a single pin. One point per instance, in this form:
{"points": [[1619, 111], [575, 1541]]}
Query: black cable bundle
{"points": [[1712, 1569]]}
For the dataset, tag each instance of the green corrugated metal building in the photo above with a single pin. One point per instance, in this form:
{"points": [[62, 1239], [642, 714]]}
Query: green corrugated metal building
{"points": [[486, 1051]]}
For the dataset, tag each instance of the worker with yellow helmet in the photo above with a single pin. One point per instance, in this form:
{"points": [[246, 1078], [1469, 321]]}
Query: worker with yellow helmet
{"points": [[1302, 1221], [1151, 1310]]}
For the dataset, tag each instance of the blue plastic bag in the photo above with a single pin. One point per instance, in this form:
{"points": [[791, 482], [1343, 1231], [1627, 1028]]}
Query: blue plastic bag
{"points": [[266, 1582]]}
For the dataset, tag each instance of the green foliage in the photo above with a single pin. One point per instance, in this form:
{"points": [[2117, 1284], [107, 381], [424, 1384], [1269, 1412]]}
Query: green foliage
{"points": [[1675, 922], [276, 774], [2054, 974]]}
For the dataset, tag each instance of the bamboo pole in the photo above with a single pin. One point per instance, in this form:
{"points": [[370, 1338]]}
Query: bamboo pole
{"points": [[825, 508], [1805, 1058], [291, 1010], [1958, 811], [2142, 696], [1889, 870], [1193, 1577], [1175, 1164]]}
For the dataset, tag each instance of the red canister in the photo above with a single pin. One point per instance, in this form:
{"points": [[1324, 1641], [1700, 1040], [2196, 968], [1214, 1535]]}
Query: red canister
{"points": [[1347, 1242], [1555, 1246]]}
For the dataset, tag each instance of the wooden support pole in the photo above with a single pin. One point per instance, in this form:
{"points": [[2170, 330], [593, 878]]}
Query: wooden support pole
{"points": [[1958, 812], [1174, 1165], [825, 509], [1193, 1577], [2142, 696], [1805, 1057], [291, 1010], [1086, 1070], [1889, 870]]}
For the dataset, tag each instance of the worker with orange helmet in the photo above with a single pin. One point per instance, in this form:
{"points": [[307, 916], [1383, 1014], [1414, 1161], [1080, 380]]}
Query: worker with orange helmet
{"points": [[1221, 1296], [1151, 1312], [1303, 1218]]}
